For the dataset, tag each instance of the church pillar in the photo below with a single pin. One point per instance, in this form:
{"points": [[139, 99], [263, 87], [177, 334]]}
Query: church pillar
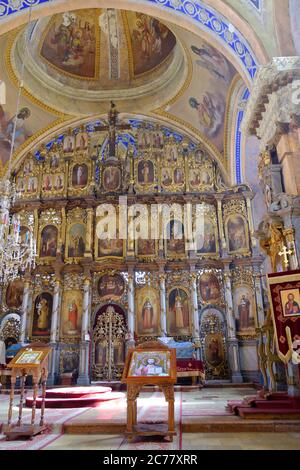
{"points": [[195, 316], [249, 197], [163, 310], [130, 341], [89, 231], [54, 331], [233, 345], [25, 308], [259, 296], [83, 378], [289, 234], [219, 198]]}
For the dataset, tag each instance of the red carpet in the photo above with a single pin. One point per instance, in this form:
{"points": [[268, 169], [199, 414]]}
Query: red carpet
{"points": [[76, 397], [267, 406]]}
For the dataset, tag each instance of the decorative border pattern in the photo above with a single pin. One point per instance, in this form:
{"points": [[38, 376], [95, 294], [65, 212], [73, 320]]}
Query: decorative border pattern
{"points": [[196, 11], [238, 138], [256, 4]]}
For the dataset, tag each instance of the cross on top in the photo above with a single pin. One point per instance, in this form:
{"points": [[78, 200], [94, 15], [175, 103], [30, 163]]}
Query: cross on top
{"points": [[285, 252], [112, 128]]}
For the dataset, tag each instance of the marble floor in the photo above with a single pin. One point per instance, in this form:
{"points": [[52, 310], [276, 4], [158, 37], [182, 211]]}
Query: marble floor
{"points": [[190, 441], [71, 428]]}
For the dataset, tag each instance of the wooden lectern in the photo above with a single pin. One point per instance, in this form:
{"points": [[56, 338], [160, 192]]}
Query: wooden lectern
{"points": [[151, 363], [30, 360]]}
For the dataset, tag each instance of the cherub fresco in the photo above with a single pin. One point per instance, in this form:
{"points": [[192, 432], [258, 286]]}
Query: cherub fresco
{"points": [[210, 109], [7, 130]]}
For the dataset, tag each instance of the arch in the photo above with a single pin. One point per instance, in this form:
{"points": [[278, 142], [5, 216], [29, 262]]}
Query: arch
{"points": [[103, 304], [46, 138], [232, 33]]}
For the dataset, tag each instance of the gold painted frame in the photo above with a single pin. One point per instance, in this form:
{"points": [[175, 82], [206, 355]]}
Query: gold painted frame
{"points": [[68, 228], [141, 293], [37, 294], [245, 251], [103, 168], [150, 187], [47, 259], [186, 290]]}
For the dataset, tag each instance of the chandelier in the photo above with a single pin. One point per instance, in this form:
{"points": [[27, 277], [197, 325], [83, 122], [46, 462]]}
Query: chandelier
{"points": [[17, 244]]}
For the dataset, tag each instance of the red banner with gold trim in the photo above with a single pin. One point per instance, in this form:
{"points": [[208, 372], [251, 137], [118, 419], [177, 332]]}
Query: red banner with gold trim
{"points": [[284, 293]]}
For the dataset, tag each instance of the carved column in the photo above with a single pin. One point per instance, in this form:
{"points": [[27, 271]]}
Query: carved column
{"points": [[289, 234], [131, 318], [54, 335], [89, 232], [25, 309], [195, 315], [259, 296], [219, 198], [163, 310], [83, 378], [233, 345], [250, 219], [62, 232]]}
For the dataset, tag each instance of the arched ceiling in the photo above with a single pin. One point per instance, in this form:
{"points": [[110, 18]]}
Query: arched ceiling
{"points": [[76, 62], [186, 77]]}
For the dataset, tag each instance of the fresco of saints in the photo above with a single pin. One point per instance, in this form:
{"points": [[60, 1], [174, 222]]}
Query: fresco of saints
{"points": [[111, 178], [152, 42], [80, 176], [70, 43], [147, 316], [210, 59], [178, 308], [32, 184], [166, 177], [49, 241], [213, 351], [179, 322], [47, 186], [145, 173], [73, 315], [7, 129], [244, 312], [54, 161], [58, 182], [42, 312], [68, 143], [111, 285], [210, 113], [237, 234], [178, 176], [291, 307], [81, 141]]}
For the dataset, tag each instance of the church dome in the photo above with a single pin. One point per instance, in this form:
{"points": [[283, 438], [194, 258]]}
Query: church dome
{"points": [[77, 60]]}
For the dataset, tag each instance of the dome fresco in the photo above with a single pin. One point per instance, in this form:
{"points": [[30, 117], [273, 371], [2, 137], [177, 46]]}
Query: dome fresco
{"points": [[77, 61], [103, 45]]}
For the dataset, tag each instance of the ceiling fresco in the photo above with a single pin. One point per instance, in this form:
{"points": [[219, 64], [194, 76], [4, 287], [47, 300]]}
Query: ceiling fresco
{"points": [[203, 104], [122, 44], [76, 62], [71, 43]]}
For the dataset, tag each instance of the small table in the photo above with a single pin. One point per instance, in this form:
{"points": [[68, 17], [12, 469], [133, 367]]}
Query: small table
{"points": [[31, 360], [150, 363], [190, 368]]}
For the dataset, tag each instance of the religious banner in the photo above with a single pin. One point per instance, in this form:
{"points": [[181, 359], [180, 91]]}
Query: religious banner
{"points": [[284, 292]]}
